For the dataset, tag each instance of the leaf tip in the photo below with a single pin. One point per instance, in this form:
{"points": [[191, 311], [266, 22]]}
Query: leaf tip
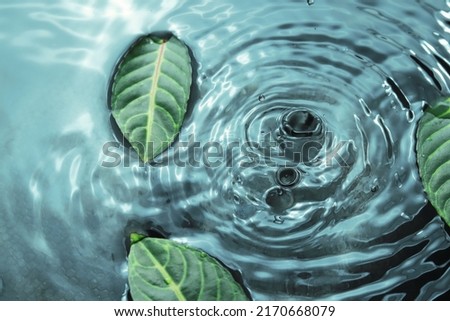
{"points": [[160, 38]]}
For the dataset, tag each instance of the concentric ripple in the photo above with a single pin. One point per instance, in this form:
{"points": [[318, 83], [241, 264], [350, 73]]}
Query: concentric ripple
{"points": [[323, 236], [295, 165]]}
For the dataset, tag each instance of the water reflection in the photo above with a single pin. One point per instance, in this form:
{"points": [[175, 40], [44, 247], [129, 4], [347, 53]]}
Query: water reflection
{"points": [[346, 229]]}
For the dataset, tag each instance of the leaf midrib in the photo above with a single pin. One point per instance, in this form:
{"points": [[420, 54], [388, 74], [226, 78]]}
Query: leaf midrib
{"points": [[152, 100], [171, 282]]}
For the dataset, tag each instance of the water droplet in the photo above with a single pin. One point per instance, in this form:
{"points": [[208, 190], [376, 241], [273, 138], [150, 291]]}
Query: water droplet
{"points": [[279, 199], [288, 176], [310, 2], [278, 219], [261, 97]]}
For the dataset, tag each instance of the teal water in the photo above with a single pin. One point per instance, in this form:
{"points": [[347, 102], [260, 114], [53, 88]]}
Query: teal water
{"points": [[354, 227]]}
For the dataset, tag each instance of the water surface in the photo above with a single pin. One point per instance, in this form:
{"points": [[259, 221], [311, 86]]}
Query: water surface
{"points": [[350, 227]]}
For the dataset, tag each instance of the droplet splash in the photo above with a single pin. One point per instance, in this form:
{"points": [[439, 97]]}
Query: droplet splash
{"points": [[301, 123], [302, 135]]}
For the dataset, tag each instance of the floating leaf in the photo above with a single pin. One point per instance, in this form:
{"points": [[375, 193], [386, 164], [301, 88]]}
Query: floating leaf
{"points": [[149, 93], [163, 270], [433, 150]]}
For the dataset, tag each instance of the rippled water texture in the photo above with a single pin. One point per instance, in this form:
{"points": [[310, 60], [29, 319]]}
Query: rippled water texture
{"points": [[345, 227]]}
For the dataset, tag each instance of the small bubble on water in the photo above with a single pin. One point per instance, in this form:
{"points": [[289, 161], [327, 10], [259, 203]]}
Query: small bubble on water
{"points": [[374, 188], [279, 199], [310, 2], [237, 199], [288, 176], [261, 97]]}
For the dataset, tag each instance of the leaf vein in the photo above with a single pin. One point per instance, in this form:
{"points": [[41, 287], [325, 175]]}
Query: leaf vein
{"points": [[171, 283]]}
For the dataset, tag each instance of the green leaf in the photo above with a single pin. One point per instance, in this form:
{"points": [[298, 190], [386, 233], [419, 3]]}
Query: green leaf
{"points": [[149, 93], [163, 270], [433, 150]]}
